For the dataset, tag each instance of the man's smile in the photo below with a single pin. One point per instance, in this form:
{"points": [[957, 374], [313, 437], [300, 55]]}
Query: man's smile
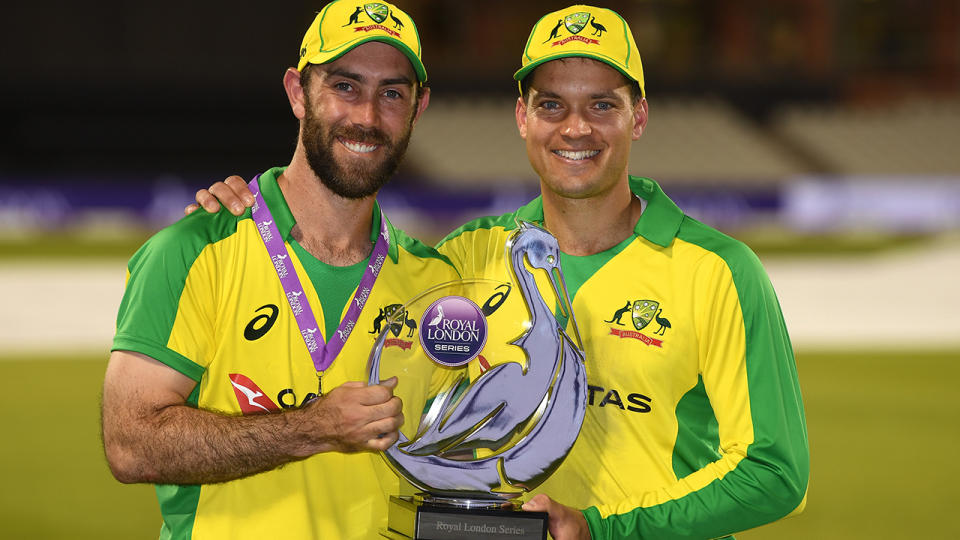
{"points": [[357, 146], [576, 155]]}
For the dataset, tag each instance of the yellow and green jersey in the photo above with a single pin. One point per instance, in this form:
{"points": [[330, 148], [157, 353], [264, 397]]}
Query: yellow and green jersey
{"points": [[204, 298], [695, 423]]}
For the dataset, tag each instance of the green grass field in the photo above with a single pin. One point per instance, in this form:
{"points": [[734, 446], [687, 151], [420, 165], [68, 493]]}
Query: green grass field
{"points": [[883, 431]]}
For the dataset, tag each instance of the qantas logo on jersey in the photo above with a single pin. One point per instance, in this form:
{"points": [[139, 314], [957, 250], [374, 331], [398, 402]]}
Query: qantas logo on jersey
{"points": [[642, 313], [253, 400], [598, 396], [250, 396]]}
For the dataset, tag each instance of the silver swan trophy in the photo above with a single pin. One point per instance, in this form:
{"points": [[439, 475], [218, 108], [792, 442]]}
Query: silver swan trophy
{"points": [[503, 403]]}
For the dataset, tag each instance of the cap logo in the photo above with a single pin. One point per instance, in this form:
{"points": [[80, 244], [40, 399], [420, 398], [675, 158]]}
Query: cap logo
{"points": [[343, 25], [576, 21], [376, 11], [582, 31]]}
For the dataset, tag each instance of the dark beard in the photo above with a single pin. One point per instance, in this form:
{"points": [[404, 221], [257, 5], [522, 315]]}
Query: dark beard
{"points": [[351, 181]]}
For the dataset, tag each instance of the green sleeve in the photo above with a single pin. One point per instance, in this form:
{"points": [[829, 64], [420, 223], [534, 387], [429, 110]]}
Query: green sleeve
{"points": [[770, 481], [155, 291]]}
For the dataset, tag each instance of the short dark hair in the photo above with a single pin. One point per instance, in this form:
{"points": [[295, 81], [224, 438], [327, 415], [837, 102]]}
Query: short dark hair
{"points": [[635, 93]]}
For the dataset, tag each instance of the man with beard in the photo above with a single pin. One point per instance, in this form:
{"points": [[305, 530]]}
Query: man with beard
{"points": [[234, 382], [694, 425]]}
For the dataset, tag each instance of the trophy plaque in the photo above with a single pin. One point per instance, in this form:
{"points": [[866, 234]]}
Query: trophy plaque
{"points": [[494, 393]]}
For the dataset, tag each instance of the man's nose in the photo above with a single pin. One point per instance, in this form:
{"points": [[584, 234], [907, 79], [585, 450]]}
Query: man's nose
{"points": [[364, 113], [575, 125]]}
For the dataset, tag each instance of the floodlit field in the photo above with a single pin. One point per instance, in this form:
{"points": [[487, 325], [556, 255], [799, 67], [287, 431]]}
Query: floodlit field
{"points": [[56, 481], [883, 435]]}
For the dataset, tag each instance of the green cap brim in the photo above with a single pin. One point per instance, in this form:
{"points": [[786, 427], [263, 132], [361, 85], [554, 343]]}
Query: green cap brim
{"points": [[525, 70], [330, 56]]}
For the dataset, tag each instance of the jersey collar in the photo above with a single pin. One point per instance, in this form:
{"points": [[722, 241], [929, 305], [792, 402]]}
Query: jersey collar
{"points": [[273, 196], [658, 223], [661, 219]]}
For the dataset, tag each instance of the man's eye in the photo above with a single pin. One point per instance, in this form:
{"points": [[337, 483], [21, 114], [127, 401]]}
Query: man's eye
{"points": [[550, 105], [343, 86], [393, 94], [604, 106]]}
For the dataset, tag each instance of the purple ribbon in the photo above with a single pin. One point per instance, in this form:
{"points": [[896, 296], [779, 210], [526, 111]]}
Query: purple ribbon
{"points": [[323, 354]]}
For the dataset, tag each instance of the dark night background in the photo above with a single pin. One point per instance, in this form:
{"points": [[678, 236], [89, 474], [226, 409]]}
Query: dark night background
{"points": [[144, 88], [823, 133]]}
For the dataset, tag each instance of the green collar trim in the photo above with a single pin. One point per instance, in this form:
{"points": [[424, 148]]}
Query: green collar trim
{"points": [[658, 223], [273, 196], [661, 220], [532, 212], [392, 249]]}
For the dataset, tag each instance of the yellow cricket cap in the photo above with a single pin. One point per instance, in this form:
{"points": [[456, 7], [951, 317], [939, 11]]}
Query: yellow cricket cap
{"points": [[342, 25], [587, 31]]}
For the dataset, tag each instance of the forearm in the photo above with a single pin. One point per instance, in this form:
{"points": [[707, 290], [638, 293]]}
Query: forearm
{"points": [[179, 444], [760, 474], [751, 390], [151, 434], [752, 494]]}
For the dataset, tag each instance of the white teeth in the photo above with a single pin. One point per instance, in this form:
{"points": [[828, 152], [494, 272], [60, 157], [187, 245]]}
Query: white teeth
{"points": [[578, 155], [359, 147]]}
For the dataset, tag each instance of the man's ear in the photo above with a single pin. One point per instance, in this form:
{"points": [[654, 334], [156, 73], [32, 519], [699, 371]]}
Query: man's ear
{"points": [[640, 113], [291, 83], [521, 113], [422, 104]]}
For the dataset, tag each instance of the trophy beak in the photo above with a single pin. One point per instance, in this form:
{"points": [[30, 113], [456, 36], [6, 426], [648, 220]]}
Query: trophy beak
{"points": [[566, 307]]}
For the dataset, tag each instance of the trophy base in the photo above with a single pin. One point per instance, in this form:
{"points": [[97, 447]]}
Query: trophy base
{"points": [[451, 519]]}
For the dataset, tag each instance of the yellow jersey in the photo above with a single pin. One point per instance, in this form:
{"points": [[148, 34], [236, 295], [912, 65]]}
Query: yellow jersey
{"points": [[204, 298], [694, 424]]}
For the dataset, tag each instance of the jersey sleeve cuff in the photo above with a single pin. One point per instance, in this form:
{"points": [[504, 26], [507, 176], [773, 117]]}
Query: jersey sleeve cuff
{"points": [[594, 523], [160, 353]]}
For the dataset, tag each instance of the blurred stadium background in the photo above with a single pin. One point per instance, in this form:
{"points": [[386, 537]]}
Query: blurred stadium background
{"points": [[826, 134]]}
